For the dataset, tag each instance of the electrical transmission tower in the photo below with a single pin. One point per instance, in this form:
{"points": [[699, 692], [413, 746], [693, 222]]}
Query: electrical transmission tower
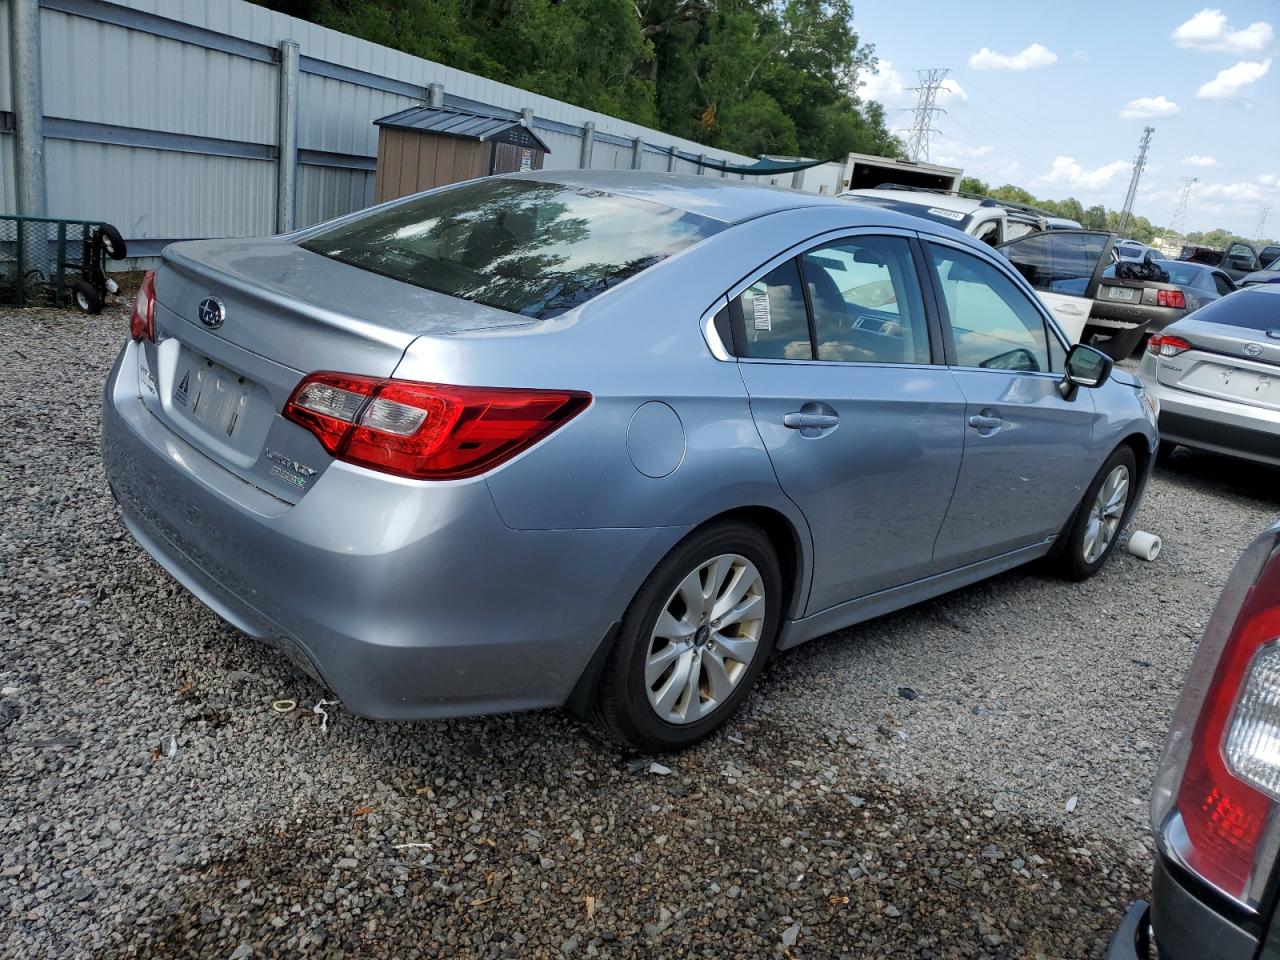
{"points": [[1139, 164], [926, 106], [1180, 211], [1262, 223]]}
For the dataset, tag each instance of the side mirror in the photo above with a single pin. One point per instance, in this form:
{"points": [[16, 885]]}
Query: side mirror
{"points": [[1086, 367]]}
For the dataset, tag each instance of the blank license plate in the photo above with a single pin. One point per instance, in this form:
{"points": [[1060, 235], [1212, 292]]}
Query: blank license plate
{"points": [[213, 396], [1120, 293]]}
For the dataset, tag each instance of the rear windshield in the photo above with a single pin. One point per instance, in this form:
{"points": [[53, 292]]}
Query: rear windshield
{"points": [[527, 246], [1251, 309]]}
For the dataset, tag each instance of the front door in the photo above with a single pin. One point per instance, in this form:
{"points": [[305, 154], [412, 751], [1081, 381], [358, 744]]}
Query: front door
{"points": [[863, 428], [1027, 450], [1065, 268]]}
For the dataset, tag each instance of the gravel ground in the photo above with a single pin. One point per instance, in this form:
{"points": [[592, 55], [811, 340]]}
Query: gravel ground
{"points": [[963, 779]]}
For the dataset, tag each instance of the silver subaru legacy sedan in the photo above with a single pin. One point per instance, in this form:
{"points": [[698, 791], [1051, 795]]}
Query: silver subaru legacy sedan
{"points": [[603, 440]]}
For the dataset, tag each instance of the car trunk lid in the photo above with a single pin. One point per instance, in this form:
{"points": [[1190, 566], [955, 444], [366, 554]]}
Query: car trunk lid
{"points": [[1230, 363], [240, 323]]}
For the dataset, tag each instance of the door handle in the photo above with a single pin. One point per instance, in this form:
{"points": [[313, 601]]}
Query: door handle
{"points": [[986, 423], [810, 421]]}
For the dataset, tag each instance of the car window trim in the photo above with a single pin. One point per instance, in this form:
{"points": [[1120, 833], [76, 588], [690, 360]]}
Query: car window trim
{"points": [[709, 332], [937, 353], [1019, 281]]}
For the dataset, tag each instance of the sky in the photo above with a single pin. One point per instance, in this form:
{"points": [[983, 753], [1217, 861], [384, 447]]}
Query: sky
{"points": [[1053, 97]]}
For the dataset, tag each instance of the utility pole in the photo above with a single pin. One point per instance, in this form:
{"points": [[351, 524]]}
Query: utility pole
{"points": [[925, 108], [1139, 164], [1262, 223], [1180, 211]]}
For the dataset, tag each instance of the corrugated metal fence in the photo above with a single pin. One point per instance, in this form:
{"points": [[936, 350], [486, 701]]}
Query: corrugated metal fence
{"points": [[163, 117]]}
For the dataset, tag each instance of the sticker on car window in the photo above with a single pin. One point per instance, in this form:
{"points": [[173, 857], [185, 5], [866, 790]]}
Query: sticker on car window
{"points": [[948, 214], [760, 310]]}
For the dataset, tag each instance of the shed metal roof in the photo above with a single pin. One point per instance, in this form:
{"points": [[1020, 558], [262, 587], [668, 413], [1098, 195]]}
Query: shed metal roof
{"points": [[452, 122]]}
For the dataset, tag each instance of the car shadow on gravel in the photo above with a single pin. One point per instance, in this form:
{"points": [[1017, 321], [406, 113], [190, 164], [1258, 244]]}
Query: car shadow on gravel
{"points": [[1209, 472]]}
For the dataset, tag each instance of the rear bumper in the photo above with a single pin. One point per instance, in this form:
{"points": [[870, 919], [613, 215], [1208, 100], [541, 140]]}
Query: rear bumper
{"points": [[409, 600], [1182, 925], [1209, 423]]}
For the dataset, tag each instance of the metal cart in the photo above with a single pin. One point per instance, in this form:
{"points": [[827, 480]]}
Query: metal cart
{"points": [[45, 261]]}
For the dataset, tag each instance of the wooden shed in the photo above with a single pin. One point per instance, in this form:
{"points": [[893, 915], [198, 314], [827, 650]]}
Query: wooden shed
{"points": [[423, 147]]}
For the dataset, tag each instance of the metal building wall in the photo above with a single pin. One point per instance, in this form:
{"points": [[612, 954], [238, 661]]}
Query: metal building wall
{"points": [[161, 116]]}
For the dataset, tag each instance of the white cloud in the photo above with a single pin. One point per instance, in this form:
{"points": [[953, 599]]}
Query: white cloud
{"points": [[1066, 172], [1144, 108], [1231, 82], [953, 88], [884, 85], [1209, 30], [955, 154], [1036, 55], [1196, 160], [1269, 179]]}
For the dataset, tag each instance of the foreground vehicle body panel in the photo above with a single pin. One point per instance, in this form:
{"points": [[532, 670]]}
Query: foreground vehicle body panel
{"points": [[1215, 797], [415, 598]]}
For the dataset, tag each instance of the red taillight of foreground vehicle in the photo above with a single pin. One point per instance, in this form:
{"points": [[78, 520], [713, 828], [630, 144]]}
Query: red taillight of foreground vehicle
{"points": [[142, 325], [428, 431], [1171, 298], [1228, 788], [1165, 345]]}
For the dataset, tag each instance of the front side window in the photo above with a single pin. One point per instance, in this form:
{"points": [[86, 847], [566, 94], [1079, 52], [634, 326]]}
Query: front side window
{"points": [[769, 317], [1057, 261], [531, 247], [994, 324], [867, 306]]}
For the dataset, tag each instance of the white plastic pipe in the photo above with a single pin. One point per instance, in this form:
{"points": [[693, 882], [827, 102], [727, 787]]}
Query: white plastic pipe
{"points": [[1144, 546]]}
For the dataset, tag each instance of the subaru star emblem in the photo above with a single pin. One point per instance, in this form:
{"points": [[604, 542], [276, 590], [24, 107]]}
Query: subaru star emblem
{"points": [[212, 312], [1253, 349]]}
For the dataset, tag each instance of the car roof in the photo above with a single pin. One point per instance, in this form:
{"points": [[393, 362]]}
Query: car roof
{"points": [[924, 198], [731, 201]]}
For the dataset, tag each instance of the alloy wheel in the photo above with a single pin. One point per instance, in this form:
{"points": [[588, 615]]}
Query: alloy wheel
{"points": [[1105, 514], [705, 639]]}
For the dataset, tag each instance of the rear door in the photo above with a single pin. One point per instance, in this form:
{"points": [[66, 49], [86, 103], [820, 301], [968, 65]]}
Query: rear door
{"points": [[862, 421], [1028, 451], [1065, 268]]}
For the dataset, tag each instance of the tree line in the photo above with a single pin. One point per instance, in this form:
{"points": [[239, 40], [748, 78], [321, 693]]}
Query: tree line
{"points": [[750, 76]]}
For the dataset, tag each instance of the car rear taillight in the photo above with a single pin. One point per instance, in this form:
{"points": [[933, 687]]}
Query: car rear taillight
{"points": [[428, 431], [142, 325], [1165, 345], [1171, 298], [1218, 788]]}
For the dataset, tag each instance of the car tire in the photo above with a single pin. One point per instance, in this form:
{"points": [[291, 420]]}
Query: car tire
{"points": [[1095, 530], [644, 666], [86, 297]]}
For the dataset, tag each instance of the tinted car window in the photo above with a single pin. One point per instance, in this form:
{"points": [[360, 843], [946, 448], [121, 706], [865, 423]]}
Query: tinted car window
{"points": [[769, 317], [1243, 256], [867, 306], [993, 323], [1185, 274], [1253, 309], [1267, 257], [1223, 284], [530, 247], [1056, 261]]}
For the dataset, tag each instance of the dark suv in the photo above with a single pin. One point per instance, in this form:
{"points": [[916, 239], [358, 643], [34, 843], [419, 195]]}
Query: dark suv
{"points": [[1215, 809]]}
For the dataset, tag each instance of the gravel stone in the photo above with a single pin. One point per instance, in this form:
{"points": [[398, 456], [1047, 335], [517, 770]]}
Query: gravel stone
{"points": [[833, 809]]}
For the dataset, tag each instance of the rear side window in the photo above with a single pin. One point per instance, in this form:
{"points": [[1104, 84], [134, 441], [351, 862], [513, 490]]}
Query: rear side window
{"points": [[770, 317], [1250, 308], [1223, 284], [526, 246], [994, 325]]}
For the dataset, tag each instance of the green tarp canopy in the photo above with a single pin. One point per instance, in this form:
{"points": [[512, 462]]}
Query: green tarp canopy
{"points": [[761, 168]]}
